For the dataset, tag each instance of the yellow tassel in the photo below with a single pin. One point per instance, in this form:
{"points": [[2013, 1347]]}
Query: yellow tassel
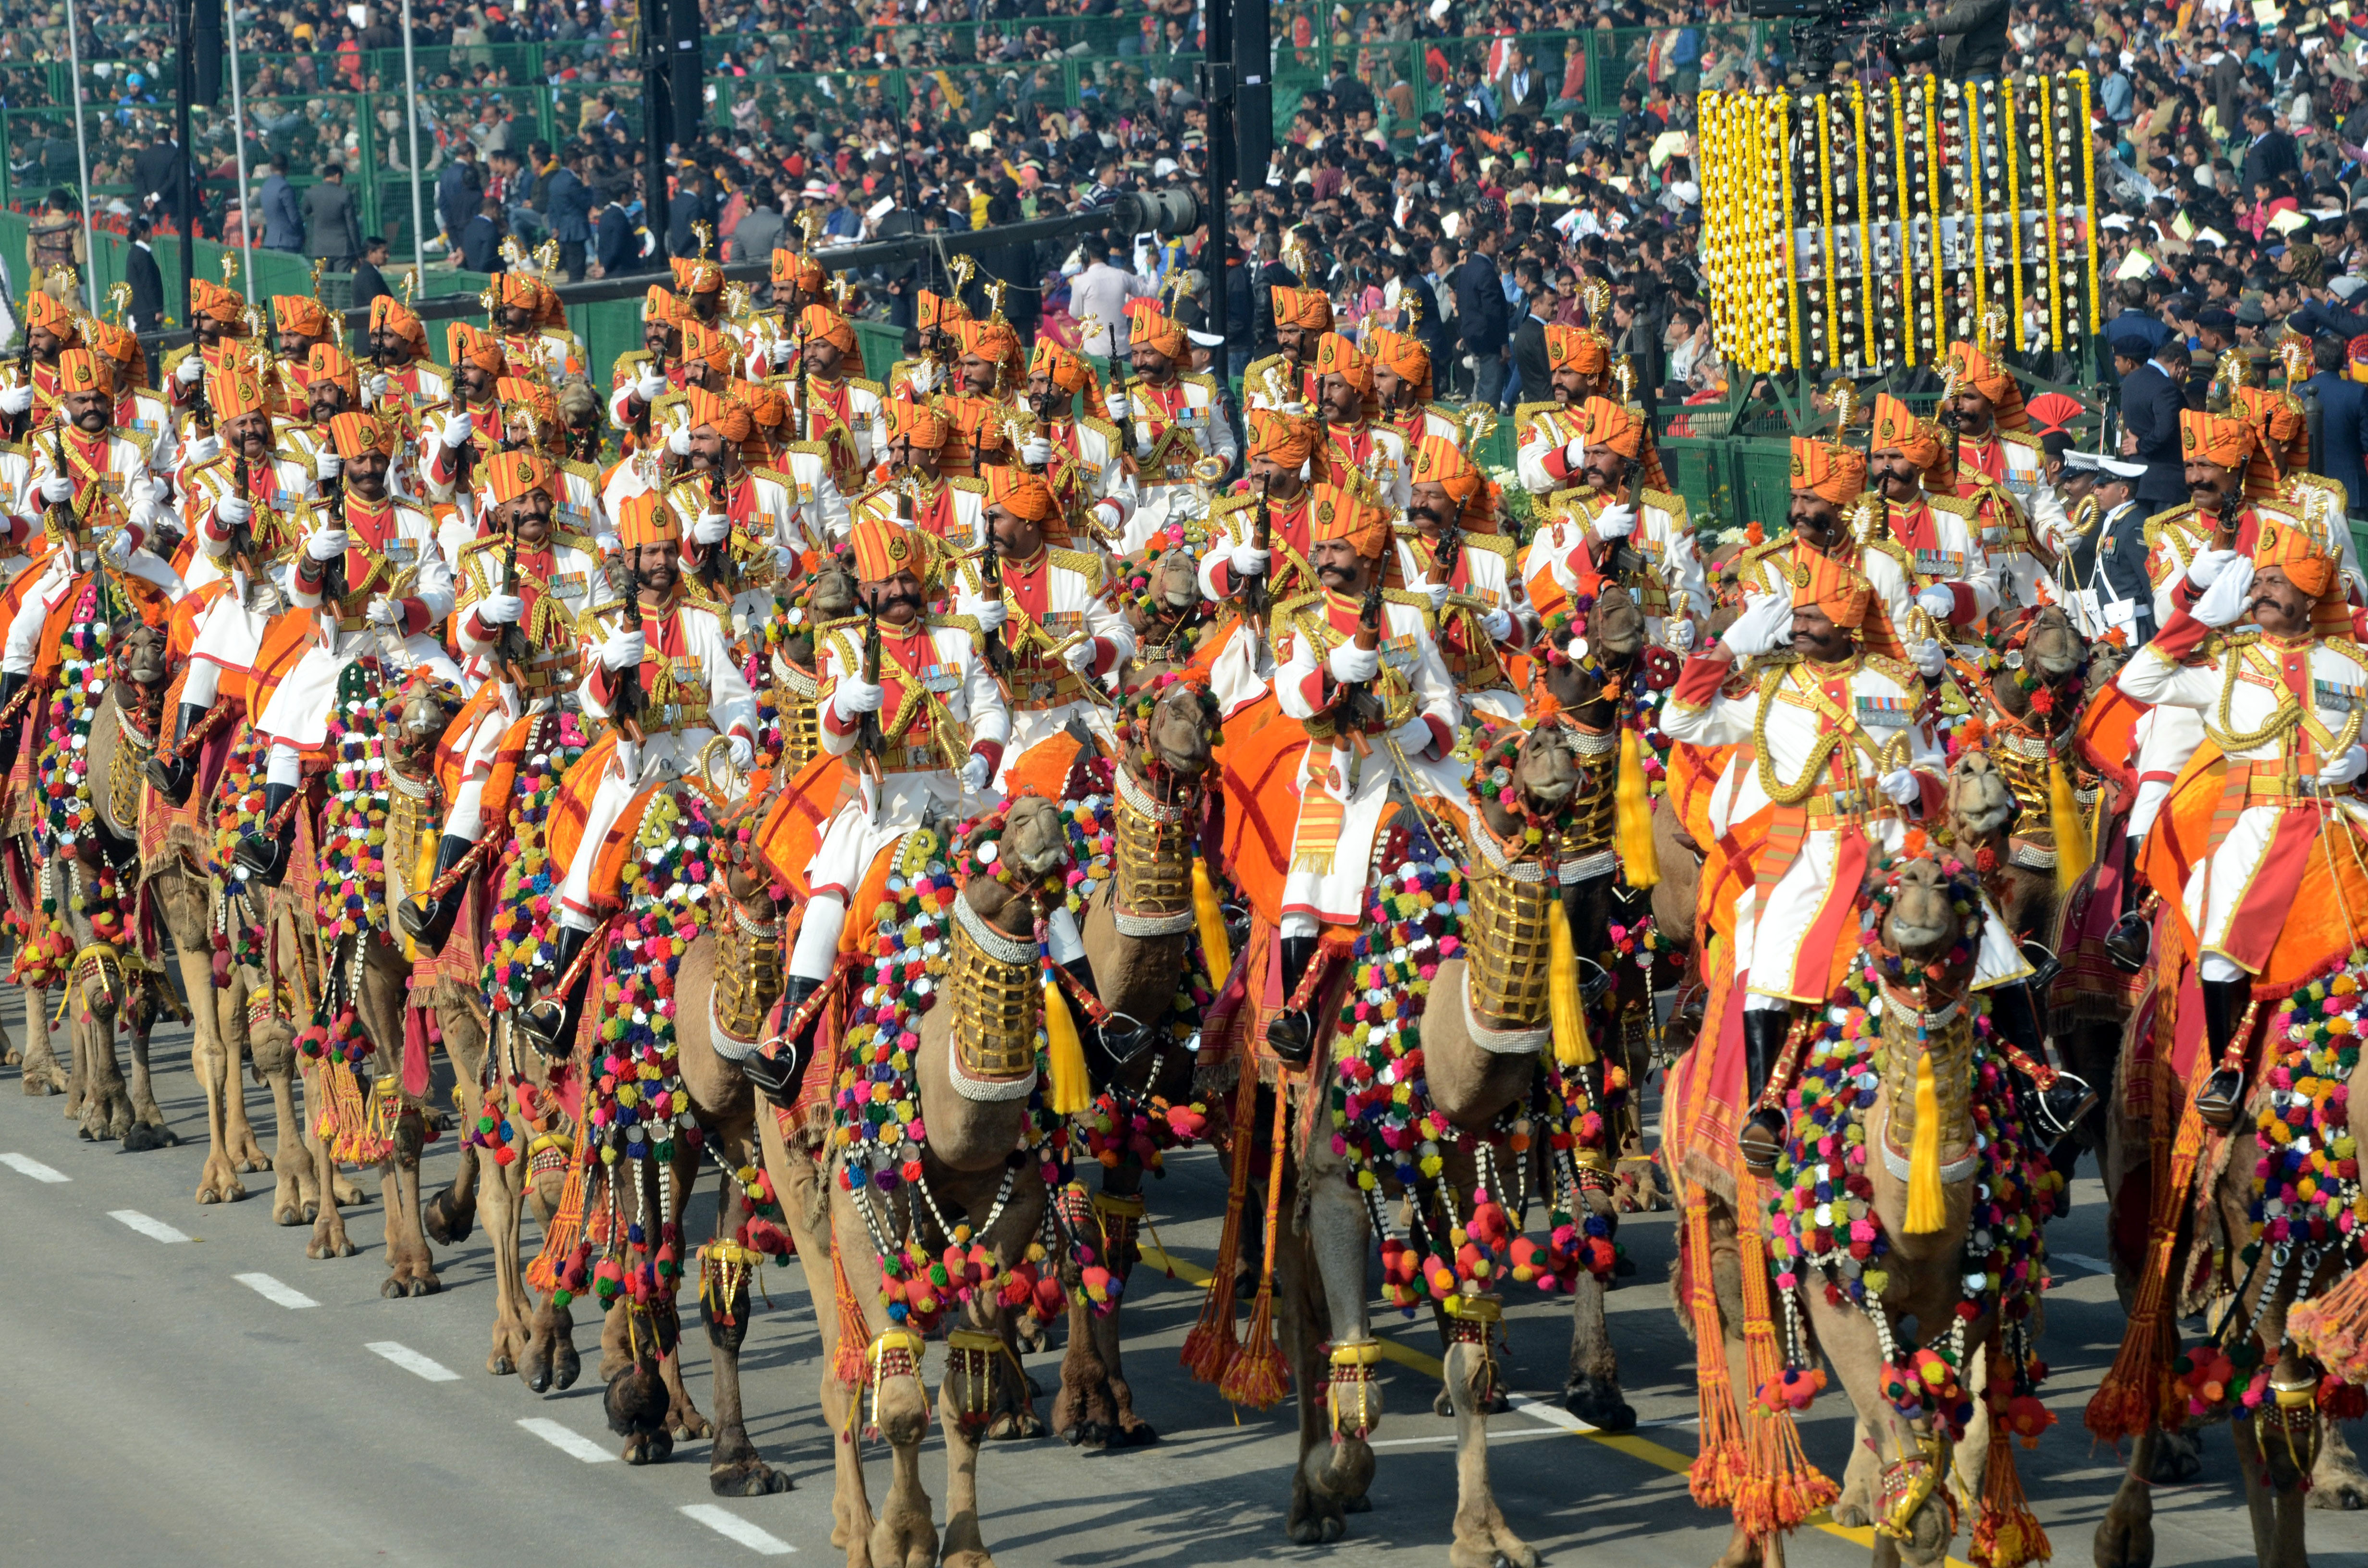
{"points": [[2071, 833], [1632, 816], [1927, 1208], [1571, 1046], [1210, 917], [1071, 1093]]}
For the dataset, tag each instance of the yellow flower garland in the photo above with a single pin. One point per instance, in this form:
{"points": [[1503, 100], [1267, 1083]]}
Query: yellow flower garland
{"points": [[1905, 216], [1785, 232], [1974, 172], [1825, 210], [2013, 153], [2043, 169], [1932, 209], [2088, 196], [1865, 242]]}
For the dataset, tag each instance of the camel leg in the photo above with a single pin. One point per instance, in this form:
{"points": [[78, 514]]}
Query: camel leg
{"points": [[148, 1128], [904, 1536], [966, 1546], [450, 1213], [329, 1238], [1482, 1538], [1132, 1430], [1592, 1392], [733, 1468], [296, 1191], [1862, 1489], [1320, 1292], [2273, 1498], [411, 1268], [1847, 1339], [1082, 1412], [43, 1074], [2125, 1535], [2335, 1481], [99, 1085], [216, 1072], [231, 1035], [549, 1363], [500, 1202]]}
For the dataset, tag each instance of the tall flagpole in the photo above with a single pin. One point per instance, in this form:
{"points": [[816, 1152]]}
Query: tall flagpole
{"points": [[411, 118], [82, 160], [238, 140]]}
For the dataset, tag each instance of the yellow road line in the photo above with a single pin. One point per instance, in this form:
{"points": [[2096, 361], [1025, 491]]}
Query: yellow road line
{"points": [[1628, 1443]]}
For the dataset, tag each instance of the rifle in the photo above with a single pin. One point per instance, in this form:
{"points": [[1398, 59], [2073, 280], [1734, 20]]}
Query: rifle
{"points": [[25, 380], [990, 573], [332, 573], [511, 652], [870, 745], [628, 702], [1254, 594], [715, 569], [1361, 712], [61, 513]]}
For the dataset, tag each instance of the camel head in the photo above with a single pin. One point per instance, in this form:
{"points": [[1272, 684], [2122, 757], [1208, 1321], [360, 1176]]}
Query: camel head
{"points": [[2047, 653], [139, 655], [1616, 624], [1921, 924], [2055, 647], [1539, 770], [1035, 841], [1178, 729], [829, 596], [1023, 873], [422, 713], [745, 876], [1175, 582], [1981, 806]]}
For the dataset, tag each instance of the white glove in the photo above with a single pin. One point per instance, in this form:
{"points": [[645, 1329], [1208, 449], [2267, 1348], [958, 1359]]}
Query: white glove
{"points": [[328, 465], [385, 611], [1764, 624], [190, 371], [2224, 600], [1615, 522], [744, 751], [1902, 785], [234, 510], [1682, 636], [782, 347], [990, 613], [679, 440], [974, 775], [606, 542], [854, 695], [1574, 452], [1350, 663], [326, 544], [650, 385], [1936, 601], [200, 449], [622, 651], [1499, 625], [712, 528], [1435, 592], [924, 377], [374, 390], [150, 492], [57, 489], [1415, 736], [500, 610], [1080, 656], [2206, 566], [118, 547], [1929, 658], [1036, 451], [2344, 769], [457, 431], [1248, 560], [15, 399], [1117, 405]]}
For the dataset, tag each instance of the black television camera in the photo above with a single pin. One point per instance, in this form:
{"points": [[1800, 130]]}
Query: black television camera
{"points": [[1820, 26]]}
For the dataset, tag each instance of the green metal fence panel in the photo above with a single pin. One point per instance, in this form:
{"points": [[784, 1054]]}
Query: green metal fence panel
{"points": [[608, 328], [882, 346]]}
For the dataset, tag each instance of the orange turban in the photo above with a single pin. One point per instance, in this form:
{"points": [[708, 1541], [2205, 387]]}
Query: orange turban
{"points": [[988, 339], [1161, 335], [641, 519], [467, 345], [2220, 438], [1895, 426], [536, 395], [1309, 307], [1288, 438], [356, 432], [1994, 381], [80, 371], [692, 276], [916, 423], [119, 343], [297, 314], [822, 322], [936, 310], [1064, 369], [2280, 437], [800, 272], [513, 473], [1610, 425], [885, 547], [723, 413], [1019, 492], [2311, 564], [1439, 462], [1834, 587], [205, 300], [1335, 356], [1837, 473], [47, 310], [237, 389], [525, 288], [391, 315], [1577, 348], [709, 346], [660, 304], [1407, 356], [1337, 513], [326, 362], [768, 409]]}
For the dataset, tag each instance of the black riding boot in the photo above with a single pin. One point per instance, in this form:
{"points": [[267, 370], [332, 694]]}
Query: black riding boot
{"points": [[14, 732], [1761, 1137], [2129, 941], [172, 778], [2223, 1094], [266, 859], [2015, 1014], [550, 1024], [1293, 1033], [780, 1067], [429, 920]]}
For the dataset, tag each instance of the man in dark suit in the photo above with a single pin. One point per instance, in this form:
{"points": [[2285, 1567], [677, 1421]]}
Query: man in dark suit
{"points": [[368, 281], [146, 311], [689, 206], [2269, 152], [1480, 306], [570, 211], [480, 239], [329, 220], [156, 175], [616, 244], [1530, 355], [2151, 400], [2342, 424]]}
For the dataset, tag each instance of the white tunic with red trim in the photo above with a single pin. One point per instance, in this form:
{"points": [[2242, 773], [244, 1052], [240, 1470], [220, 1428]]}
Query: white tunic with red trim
{"points": [[1481, 580], [1165, 479], [1376, 452], [1059, 597]]}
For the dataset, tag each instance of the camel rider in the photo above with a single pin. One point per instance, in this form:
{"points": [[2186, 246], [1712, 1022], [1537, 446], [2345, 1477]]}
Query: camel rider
{"points": [[1478, 612], [1845, 765], [1064, 393], [531, 420], [395, 593], [532, 573], [980, 407], [698, 284], [741, 528], [1353, 442], [1827, 481], [1552, 430], [2001, 468], [1612, 523], [842, 411], [27, 404], [1396, 694], [934, 316], [913, 491], [2278, 477], [1301, 318], [671, 645], [641, 375], [403, 380], [218, 323], [453, 443], [707, 361], [533, 327], [302, 322], [1053, 613], [1402, 386], [1939, 533], [941, 727], [331, 386], [1182, 441], [139, 414], [2273, 898], [771, 346], [1281, 473]]}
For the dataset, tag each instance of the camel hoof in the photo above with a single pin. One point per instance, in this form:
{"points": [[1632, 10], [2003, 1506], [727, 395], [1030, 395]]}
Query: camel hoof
{"points": [[1017, 1425], [1598, 1402], [1089, 1435], [289, 1215], [749, 1478], [1318, 1529], [37, 1084], [500, 1365], [564, 1369], [691, 1424], [1140, 1434], [446, 1223], [139, 1138], [649, 1447], [1032, 1336], [1852, 1514], [1443, 1404]]}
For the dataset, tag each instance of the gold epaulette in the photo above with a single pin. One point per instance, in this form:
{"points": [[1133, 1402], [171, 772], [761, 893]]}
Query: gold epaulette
{"points": [[1256, 371], [562, 334], [1299, 602], [2020, 439], [1201, 379], [692, 598], [1896, 669], [967, 483], [1753, 554], [1100, 427], [1524, 413], [774, 474], [1084, 564], [858, 383], [807, 449], [1662, 500], [953, 623], [1225, 506], [586, 471], [1894, 548], [1452, 416], [1956, 507], [629, 357], [1495, 544], [2157, 522], [1411, 601]]}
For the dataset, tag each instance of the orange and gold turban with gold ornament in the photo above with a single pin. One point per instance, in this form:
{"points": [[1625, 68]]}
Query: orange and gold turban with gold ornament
{"points": [[1338, 513], [1335, 356], [820, 322], [326, 362], [236, 390], [356, 431], [720, 412], [1896, 426], [1614, 425], [1439, 462], [391, 315], [2222, 438], [935, 310], [916, 423], [1577, 348], [299, 314], [1288, 438], [1407, 356], [1994, 381], [709, 346], [513, 473], [82, 370], [1309, 308], [885, 547], [467, 345], [802, 273], [1837, 473], [641, 519], [1833, 586]]}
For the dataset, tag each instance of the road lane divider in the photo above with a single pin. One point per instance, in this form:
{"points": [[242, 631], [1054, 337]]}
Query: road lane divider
{"points": [[412, 1361], [732, 1526], [568, 1441], [155, 1230], [25, 1164], [276, 1292]]}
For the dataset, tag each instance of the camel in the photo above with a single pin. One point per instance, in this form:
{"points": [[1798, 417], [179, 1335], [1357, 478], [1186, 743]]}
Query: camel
{"points": [[975, 1100], [1170, 612], [829, 594]]}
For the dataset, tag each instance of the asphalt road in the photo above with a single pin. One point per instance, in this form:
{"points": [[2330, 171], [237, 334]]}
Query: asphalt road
{"points": [[183, 1386]]}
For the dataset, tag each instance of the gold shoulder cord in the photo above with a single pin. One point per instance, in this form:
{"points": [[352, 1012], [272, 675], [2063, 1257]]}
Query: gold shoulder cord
{"points": [[2291, 714], [1822, 753]]}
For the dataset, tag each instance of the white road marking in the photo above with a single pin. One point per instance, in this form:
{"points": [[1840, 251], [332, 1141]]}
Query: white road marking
{"points": [[1552, 1415], [25, 1164], [731, 1526], [154, 1229], [410, 1361], [272, 1291], [1495, 1438], [2081, 1260], [574, 1444]]}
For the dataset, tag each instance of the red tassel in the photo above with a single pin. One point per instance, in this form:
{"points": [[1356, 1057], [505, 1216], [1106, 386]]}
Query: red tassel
{"points": [[2008, 1534], [1211, 1346], [1258, 1376], [1720, 1467]]}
